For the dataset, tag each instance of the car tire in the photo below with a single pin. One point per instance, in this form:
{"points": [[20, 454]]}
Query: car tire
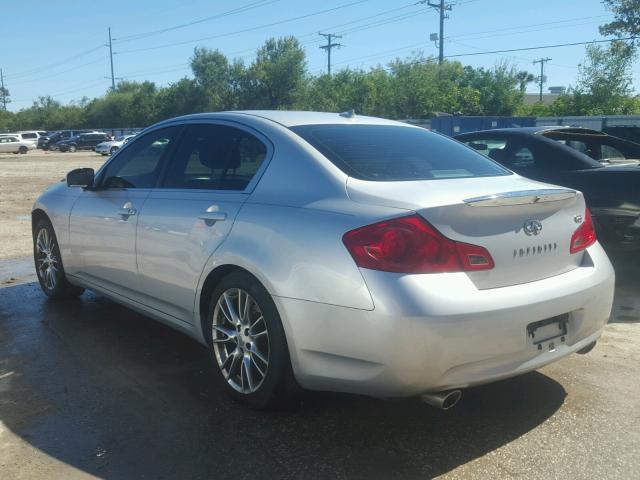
{"points": [[113, 150], [48, 263], [251, 359], [23, 150], [72, 148]]}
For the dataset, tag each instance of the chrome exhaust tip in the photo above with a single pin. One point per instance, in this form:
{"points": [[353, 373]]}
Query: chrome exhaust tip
{"points": [[442, 400]]}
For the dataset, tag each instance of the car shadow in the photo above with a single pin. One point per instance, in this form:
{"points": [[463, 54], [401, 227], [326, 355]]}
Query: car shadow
{"points": [[117, 395]]}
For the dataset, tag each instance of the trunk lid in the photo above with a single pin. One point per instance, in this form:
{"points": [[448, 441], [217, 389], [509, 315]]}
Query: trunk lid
{"points": [[525, 225]]}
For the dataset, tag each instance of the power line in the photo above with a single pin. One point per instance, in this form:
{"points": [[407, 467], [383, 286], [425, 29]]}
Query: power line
{"points": [[28, 73], [540, 47], [541, 61], [244, 8], [329, 46], [250, 29]]}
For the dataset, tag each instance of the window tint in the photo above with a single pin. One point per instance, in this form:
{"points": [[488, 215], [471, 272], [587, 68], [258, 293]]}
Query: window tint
{"points": [[138, 165], [609, 152], [29, 135], [395, 153], [215, 157]]}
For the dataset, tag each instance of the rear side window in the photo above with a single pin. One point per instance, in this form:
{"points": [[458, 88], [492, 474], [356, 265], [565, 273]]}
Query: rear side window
{"points": [[215, 157], [29, 135], [395, 153]]}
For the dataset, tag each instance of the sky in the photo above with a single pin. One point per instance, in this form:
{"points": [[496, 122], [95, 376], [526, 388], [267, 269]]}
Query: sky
{"points": [[58, 49]]}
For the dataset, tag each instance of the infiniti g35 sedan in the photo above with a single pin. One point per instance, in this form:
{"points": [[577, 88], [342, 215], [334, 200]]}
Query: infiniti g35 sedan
{"points": [[331, 252]]}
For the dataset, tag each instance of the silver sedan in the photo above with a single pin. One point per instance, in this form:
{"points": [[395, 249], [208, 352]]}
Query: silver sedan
{"points": [[331, 252]]}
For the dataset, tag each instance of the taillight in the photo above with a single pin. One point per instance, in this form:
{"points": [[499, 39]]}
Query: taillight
{"points": [[411, 245], [584, 236]]}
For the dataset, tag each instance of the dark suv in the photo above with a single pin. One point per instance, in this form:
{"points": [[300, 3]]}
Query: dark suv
{"points": [[84, 141], [48, 141]]}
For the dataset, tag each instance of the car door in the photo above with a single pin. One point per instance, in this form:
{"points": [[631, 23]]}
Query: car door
{"points": [[183, 221], [6, 145], [102, 227]]}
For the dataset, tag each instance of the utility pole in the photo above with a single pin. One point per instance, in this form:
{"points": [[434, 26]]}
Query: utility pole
{"points": [[542, 61], [4, 93], [329, 46], [442, 8], [113, 78]]}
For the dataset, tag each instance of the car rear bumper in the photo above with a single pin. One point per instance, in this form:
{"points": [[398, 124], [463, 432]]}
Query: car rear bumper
{"points": [[437, 332]]}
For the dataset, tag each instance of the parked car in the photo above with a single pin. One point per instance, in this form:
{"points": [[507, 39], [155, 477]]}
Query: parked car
{"points": [[14, 144], [28, 137], [569, 157], [48, 142], [626, 132], [84, 141], [111, 146], [331, 252]]}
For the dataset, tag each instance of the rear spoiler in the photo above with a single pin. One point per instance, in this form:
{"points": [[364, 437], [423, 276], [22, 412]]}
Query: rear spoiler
{"points": [[522, 197]]}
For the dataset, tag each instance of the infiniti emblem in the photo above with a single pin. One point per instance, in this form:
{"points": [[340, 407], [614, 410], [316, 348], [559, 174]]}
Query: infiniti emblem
{"points": [[532, 227]]}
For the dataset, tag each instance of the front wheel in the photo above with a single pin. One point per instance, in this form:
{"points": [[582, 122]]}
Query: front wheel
{"points": [[113, 150], [23, 150], [72, 148], [247, 343], [48, 261]]}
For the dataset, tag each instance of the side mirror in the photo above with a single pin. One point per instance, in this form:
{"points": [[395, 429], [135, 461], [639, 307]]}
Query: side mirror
{"points": [[80, 177]]}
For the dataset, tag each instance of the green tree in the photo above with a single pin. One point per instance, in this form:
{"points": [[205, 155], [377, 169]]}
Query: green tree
{"points": [[626, 22], [277, 77], [604, 84]]}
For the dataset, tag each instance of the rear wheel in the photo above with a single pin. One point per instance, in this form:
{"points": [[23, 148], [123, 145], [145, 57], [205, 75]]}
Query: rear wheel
{"points": [[72, 148], [248, 344], [48, 263], [23, 150]]}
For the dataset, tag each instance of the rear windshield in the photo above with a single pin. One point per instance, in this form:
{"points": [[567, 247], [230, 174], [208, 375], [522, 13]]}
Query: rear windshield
{"points": [[395, 153]]}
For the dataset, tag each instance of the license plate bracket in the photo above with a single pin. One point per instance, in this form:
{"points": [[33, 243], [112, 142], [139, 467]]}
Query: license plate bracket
{"points": [[543, 331]]}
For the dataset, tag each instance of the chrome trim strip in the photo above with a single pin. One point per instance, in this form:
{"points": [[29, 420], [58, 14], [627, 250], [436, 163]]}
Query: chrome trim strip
{"points": [[522, 197]]}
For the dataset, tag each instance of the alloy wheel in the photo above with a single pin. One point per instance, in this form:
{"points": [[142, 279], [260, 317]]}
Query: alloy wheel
{"points": [[240, 340], [46, 260]]}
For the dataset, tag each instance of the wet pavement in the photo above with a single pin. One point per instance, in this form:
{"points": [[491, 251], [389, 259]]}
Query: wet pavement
{"points": [[89, 388]]}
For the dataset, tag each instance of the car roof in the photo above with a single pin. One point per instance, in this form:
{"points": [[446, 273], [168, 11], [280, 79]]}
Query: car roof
{"points": [[290, 118]]}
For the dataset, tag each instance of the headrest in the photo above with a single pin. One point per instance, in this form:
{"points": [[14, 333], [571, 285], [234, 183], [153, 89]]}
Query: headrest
{"points": [[218, 153], [498, 154]]}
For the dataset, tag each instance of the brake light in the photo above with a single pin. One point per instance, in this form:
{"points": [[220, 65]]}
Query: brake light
{"points": [[584, 236], [411, 245]]}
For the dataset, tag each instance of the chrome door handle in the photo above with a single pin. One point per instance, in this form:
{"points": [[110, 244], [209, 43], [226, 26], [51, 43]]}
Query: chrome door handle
{"points": [[213, 216], [127, 212]]}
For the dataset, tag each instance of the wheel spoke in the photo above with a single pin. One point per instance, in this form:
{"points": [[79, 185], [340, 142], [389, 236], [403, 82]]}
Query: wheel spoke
{"points": [[257, 353], [258, 320], [225, 331], [226, 315], [255, 364], [246, 363], [245, 311], [231, 308], [235, 363], [259, 334]]}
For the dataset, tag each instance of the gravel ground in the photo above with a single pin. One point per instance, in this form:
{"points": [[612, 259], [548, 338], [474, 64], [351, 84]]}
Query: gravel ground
{"points": [[22, 179]]}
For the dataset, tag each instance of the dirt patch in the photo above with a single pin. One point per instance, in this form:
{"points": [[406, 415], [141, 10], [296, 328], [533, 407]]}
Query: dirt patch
{"points": [[22, 179]]}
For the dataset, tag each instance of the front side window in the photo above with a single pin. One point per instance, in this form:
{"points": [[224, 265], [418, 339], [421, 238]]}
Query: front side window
{"points": [[215, 157], [138, 166], [396, 153]]}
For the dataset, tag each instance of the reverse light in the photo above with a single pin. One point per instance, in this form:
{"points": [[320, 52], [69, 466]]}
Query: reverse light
{"points": [[411, 245], [584, 236]]}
